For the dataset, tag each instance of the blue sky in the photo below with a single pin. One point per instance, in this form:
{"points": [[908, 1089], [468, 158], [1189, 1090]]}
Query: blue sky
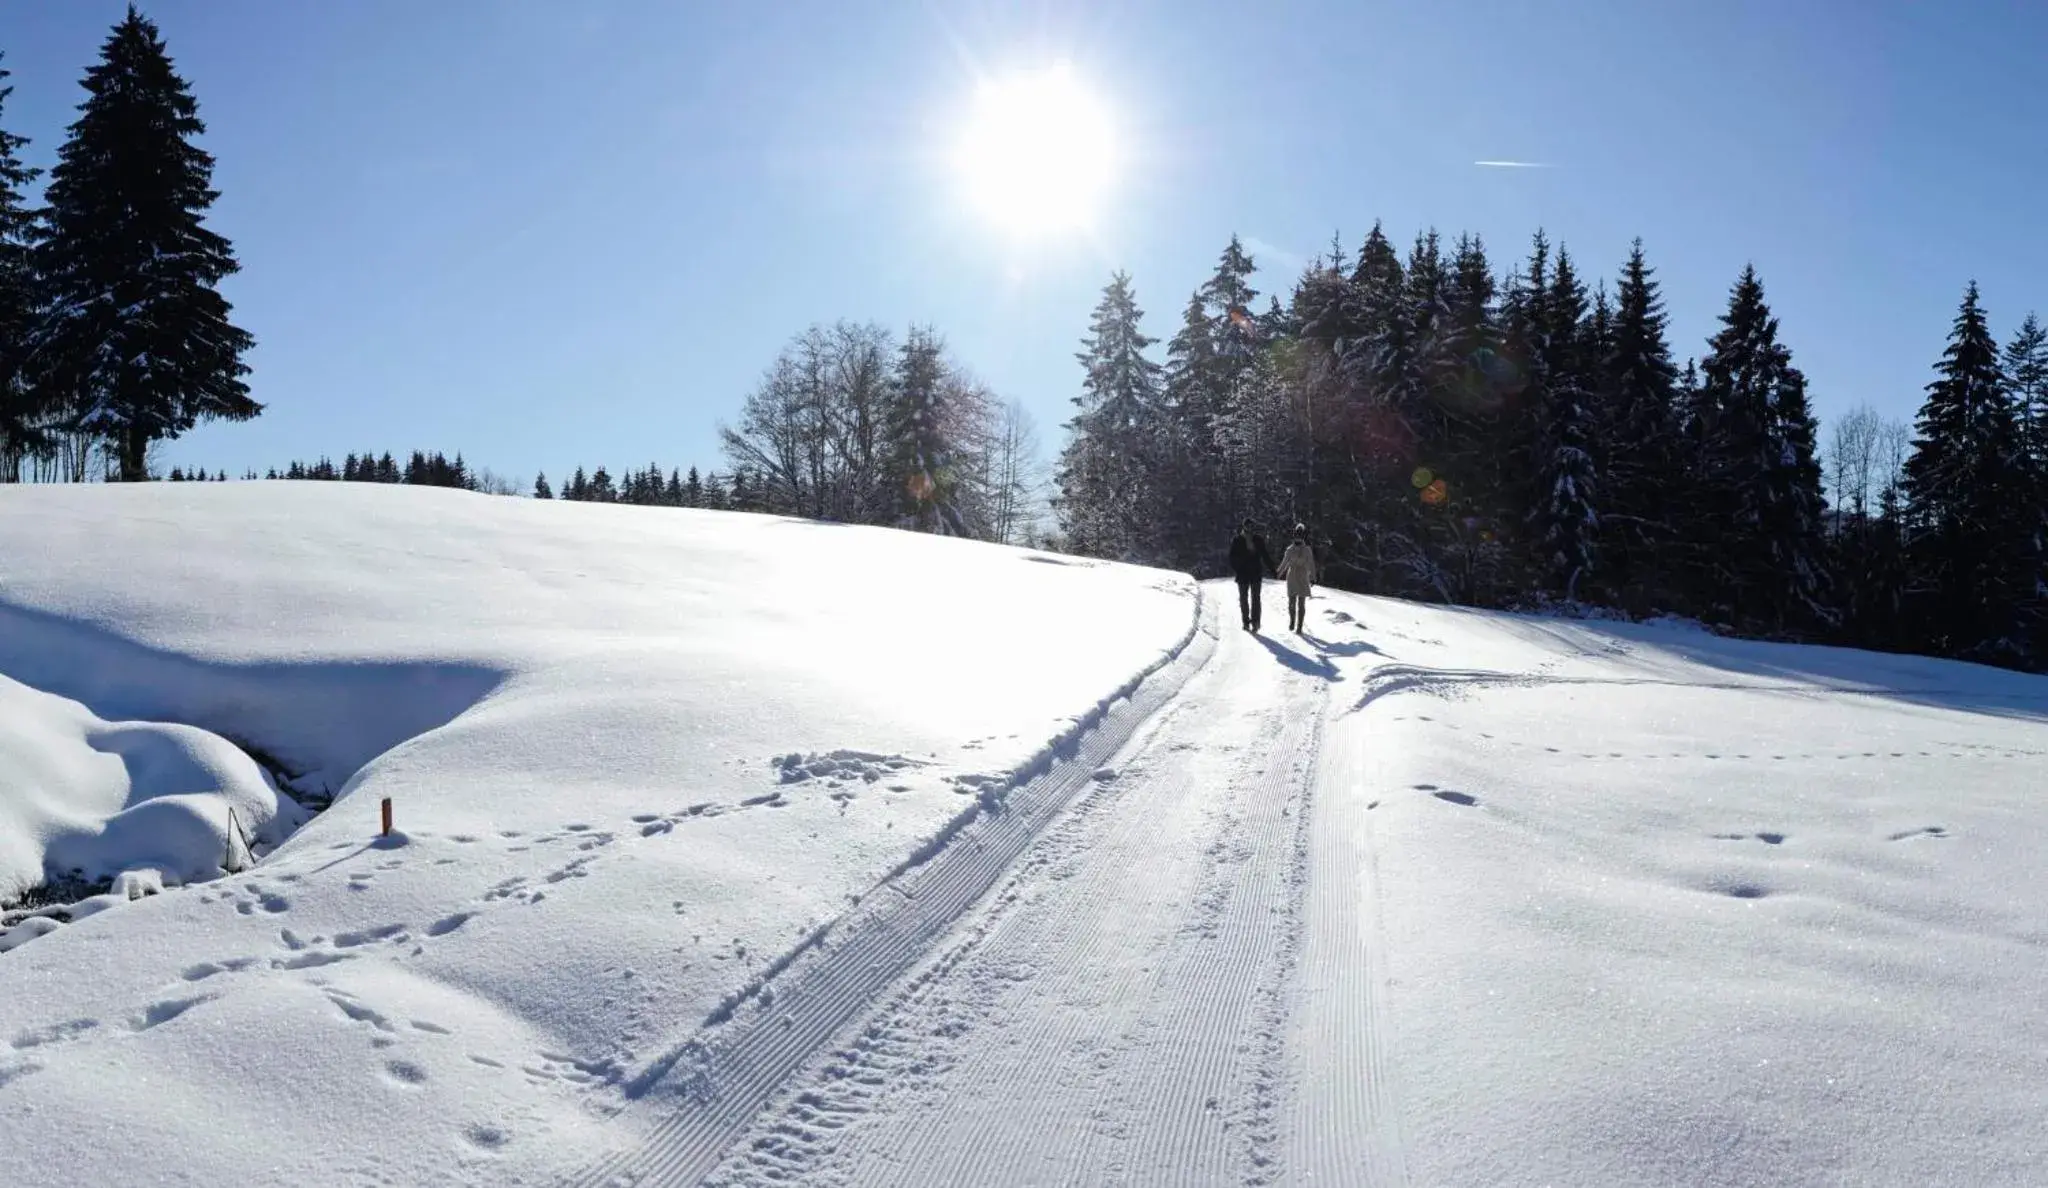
{"points": [[557, 233]]}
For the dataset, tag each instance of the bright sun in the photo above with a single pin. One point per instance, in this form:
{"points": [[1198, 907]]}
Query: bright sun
{"points": [[1038, 152]]}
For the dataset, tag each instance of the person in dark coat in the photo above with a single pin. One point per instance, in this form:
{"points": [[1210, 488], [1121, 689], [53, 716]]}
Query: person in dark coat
{"points": [[1249, 563]]}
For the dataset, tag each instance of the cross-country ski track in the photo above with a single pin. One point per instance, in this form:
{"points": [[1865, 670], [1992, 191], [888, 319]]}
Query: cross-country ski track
{"points": [[1122, 958]]}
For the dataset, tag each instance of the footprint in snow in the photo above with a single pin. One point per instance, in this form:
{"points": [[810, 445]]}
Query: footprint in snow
{"points": [[448, 924], [53, 1034], [207, 969], [159, 1013], [1741, 890], [406, 1073]]}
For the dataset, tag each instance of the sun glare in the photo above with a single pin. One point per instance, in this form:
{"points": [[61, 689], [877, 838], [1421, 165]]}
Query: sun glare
{"points": [[1038, 152]]}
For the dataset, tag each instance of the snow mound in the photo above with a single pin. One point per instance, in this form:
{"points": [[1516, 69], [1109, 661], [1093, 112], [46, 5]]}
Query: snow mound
{"points": [[94, 800]]}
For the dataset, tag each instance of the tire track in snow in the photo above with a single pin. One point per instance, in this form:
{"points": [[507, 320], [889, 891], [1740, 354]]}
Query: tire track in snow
{"points": [[729, 1070], [1125, 993]]}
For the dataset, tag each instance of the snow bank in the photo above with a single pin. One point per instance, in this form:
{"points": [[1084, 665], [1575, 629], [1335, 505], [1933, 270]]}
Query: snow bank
{"points": [[584, 716]]}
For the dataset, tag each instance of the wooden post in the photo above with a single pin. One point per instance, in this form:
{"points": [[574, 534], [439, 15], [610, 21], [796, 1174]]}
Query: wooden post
{"points": [[387, 816]]}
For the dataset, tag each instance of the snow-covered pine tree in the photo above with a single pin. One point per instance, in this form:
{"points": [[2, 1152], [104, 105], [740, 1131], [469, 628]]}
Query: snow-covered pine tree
{"points": [[1404, 361], [137, 329], [1413, 375], [1207, 362], [1369, 501], [22, 414], [1973, 513], [1227, 298], [1762, 478], [1107, 506], [1380, 291], [921, 457]]}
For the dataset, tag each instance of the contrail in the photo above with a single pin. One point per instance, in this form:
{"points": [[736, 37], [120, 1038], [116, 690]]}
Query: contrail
{"points": [[1514, 164]]}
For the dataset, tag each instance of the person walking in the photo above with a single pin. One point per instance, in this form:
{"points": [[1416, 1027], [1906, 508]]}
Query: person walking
{"points": [[1249, 562], [1298, 567]]}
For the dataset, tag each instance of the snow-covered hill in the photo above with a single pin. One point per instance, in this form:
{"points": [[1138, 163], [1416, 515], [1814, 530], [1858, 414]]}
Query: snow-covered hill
{"points": [[744, 851], [636, 755]]}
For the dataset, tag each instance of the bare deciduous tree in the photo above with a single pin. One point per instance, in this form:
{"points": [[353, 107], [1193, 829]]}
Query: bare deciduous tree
{"points": [[816, 434], [1852, 461], [1865, 454], [1014, 482]]}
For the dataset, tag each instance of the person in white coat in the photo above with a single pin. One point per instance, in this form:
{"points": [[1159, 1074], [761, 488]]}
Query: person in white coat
{"points": [[1298, 568]]}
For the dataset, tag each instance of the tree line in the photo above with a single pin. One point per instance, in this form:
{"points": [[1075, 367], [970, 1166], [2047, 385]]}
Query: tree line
{"points": [[1452, 433], [650, 487], [113, 334]]}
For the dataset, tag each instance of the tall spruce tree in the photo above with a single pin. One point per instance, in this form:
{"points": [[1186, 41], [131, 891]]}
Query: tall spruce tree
{"points": [[1973, 512], [541, 490], [138, 337], [921, 451], [1107, 505], [21, 413], [1415, 371], [1229, 393], [1468, 457], [1186, 475], [2026, 373], [1762, 477], [1523, 432], [1564, 517], [1644, 480], [1380, 292], [1472, 335]]}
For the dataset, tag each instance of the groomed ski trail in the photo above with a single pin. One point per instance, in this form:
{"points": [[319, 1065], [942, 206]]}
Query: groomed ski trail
{"points": [[700, 1097], [1123, 1008]]}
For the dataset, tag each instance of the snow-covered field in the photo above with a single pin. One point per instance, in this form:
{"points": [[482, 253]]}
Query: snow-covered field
{"points": [[747, 851]]}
